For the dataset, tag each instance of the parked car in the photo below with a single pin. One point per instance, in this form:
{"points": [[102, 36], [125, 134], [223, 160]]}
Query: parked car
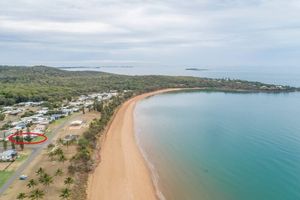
{"points": [[23, 177]]}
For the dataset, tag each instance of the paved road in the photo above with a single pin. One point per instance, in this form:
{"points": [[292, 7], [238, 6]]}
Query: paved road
{"points": [[36, 151]]}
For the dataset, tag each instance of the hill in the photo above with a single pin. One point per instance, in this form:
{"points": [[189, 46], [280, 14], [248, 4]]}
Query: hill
{"points": [[19, 84]]}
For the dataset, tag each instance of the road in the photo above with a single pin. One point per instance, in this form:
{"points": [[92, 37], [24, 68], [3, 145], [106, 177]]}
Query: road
{"points": [[37, 149]]}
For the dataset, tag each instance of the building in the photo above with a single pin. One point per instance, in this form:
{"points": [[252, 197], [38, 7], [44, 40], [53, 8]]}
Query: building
{"points": [[39, 129], [77, 123], [9, 155]]}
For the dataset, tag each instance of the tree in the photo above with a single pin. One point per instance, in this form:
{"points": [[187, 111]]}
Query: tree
{"points": [[65, 193], [58, 172], [60, 141], [28, 138], [40, 171], [50, 146], [68, 181], [22, 143], [13, 146], [4, 144], [62, 158], [51, 155], [2, 116], [32, 183], [58, 152], [46, 180], [21, 196], [36, 194]]}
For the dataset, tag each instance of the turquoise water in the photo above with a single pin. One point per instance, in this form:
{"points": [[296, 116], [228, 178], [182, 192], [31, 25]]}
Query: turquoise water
{"points": [[222, 146]]}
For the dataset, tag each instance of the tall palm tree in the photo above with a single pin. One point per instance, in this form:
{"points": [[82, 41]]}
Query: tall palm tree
{"points": [[65, 193], [36, 194], [21, 196], [68, 181], [32, 183]]}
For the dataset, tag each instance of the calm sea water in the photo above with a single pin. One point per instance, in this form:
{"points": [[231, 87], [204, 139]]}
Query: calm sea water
{"points": [[222, 146], [273, 75]]}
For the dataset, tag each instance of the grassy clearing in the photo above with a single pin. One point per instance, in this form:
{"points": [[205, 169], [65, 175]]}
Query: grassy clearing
{"points": [[60, 120], [22, 157], [4, 176]]}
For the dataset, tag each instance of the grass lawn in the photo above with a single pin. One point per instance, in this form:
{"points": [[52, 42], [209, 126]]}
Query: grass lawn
{"points": [[4, 175], [60, 120], [22, 157]]}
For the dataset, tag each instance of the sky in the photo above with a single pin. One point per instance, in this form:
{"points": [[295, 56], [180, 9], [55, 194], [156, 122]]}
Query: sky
{"points": [[150, 32]]}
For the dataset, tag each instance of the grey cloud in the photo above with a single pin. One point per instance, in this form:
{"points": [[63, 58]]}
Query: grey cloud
{"points": [[147, 31]]}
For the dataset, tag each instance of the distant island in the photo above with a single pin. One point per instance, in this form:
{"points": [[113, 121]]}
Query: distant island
{"points": [[196, 69], [98, 67]]}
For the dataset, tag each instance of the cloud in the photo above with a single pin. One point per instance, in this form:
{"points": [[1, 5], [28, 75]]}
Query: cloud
{"points": [[164, 32]]}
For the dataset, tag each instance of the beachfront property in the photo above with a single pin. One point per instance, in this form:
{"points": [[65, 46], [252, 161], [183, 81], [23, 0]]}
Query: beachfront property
{"points": [[42, 117]]}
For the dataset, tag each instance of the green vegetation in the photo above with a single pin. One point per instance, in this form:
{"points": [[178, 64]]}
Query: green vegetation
{"points": [[40, 83], [4, 176], [39, 186], [21, 196], [22, 157], [2, 116], [28, 114], [36, 194], [65, 193], [83, 162]]}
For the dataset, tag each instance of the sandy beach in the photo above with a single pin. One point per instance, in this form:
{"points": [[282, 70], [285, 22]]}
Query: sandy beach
{"points": [[122, 172]]}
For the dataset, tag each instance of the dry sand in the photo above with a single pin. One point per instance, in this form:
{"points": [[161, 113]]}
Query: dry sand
{"points": [[122, 172]]}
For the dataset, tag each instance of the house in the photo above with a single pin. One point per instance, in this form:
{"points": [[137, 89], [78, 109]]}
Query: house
{"points": [[43, 111], [9, 155], [8, 108], [15, 112], [39, 129], [66, 111], [20, 126], [27, 120], [77, 123]]}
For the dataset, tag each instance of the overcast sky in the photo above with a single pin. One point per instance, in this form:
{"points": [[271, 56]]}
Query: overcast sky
{"points": [[150, 32]]}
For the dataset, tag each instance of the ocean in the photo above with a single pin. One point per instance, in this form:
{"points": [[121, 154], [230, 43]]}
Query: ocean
{"points": [[222, 146]]}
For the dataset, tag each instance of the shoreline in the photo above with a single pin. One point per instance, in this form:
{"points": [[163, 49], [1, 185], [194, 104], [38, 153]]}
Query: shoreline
{"points": [[123, 172]]}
